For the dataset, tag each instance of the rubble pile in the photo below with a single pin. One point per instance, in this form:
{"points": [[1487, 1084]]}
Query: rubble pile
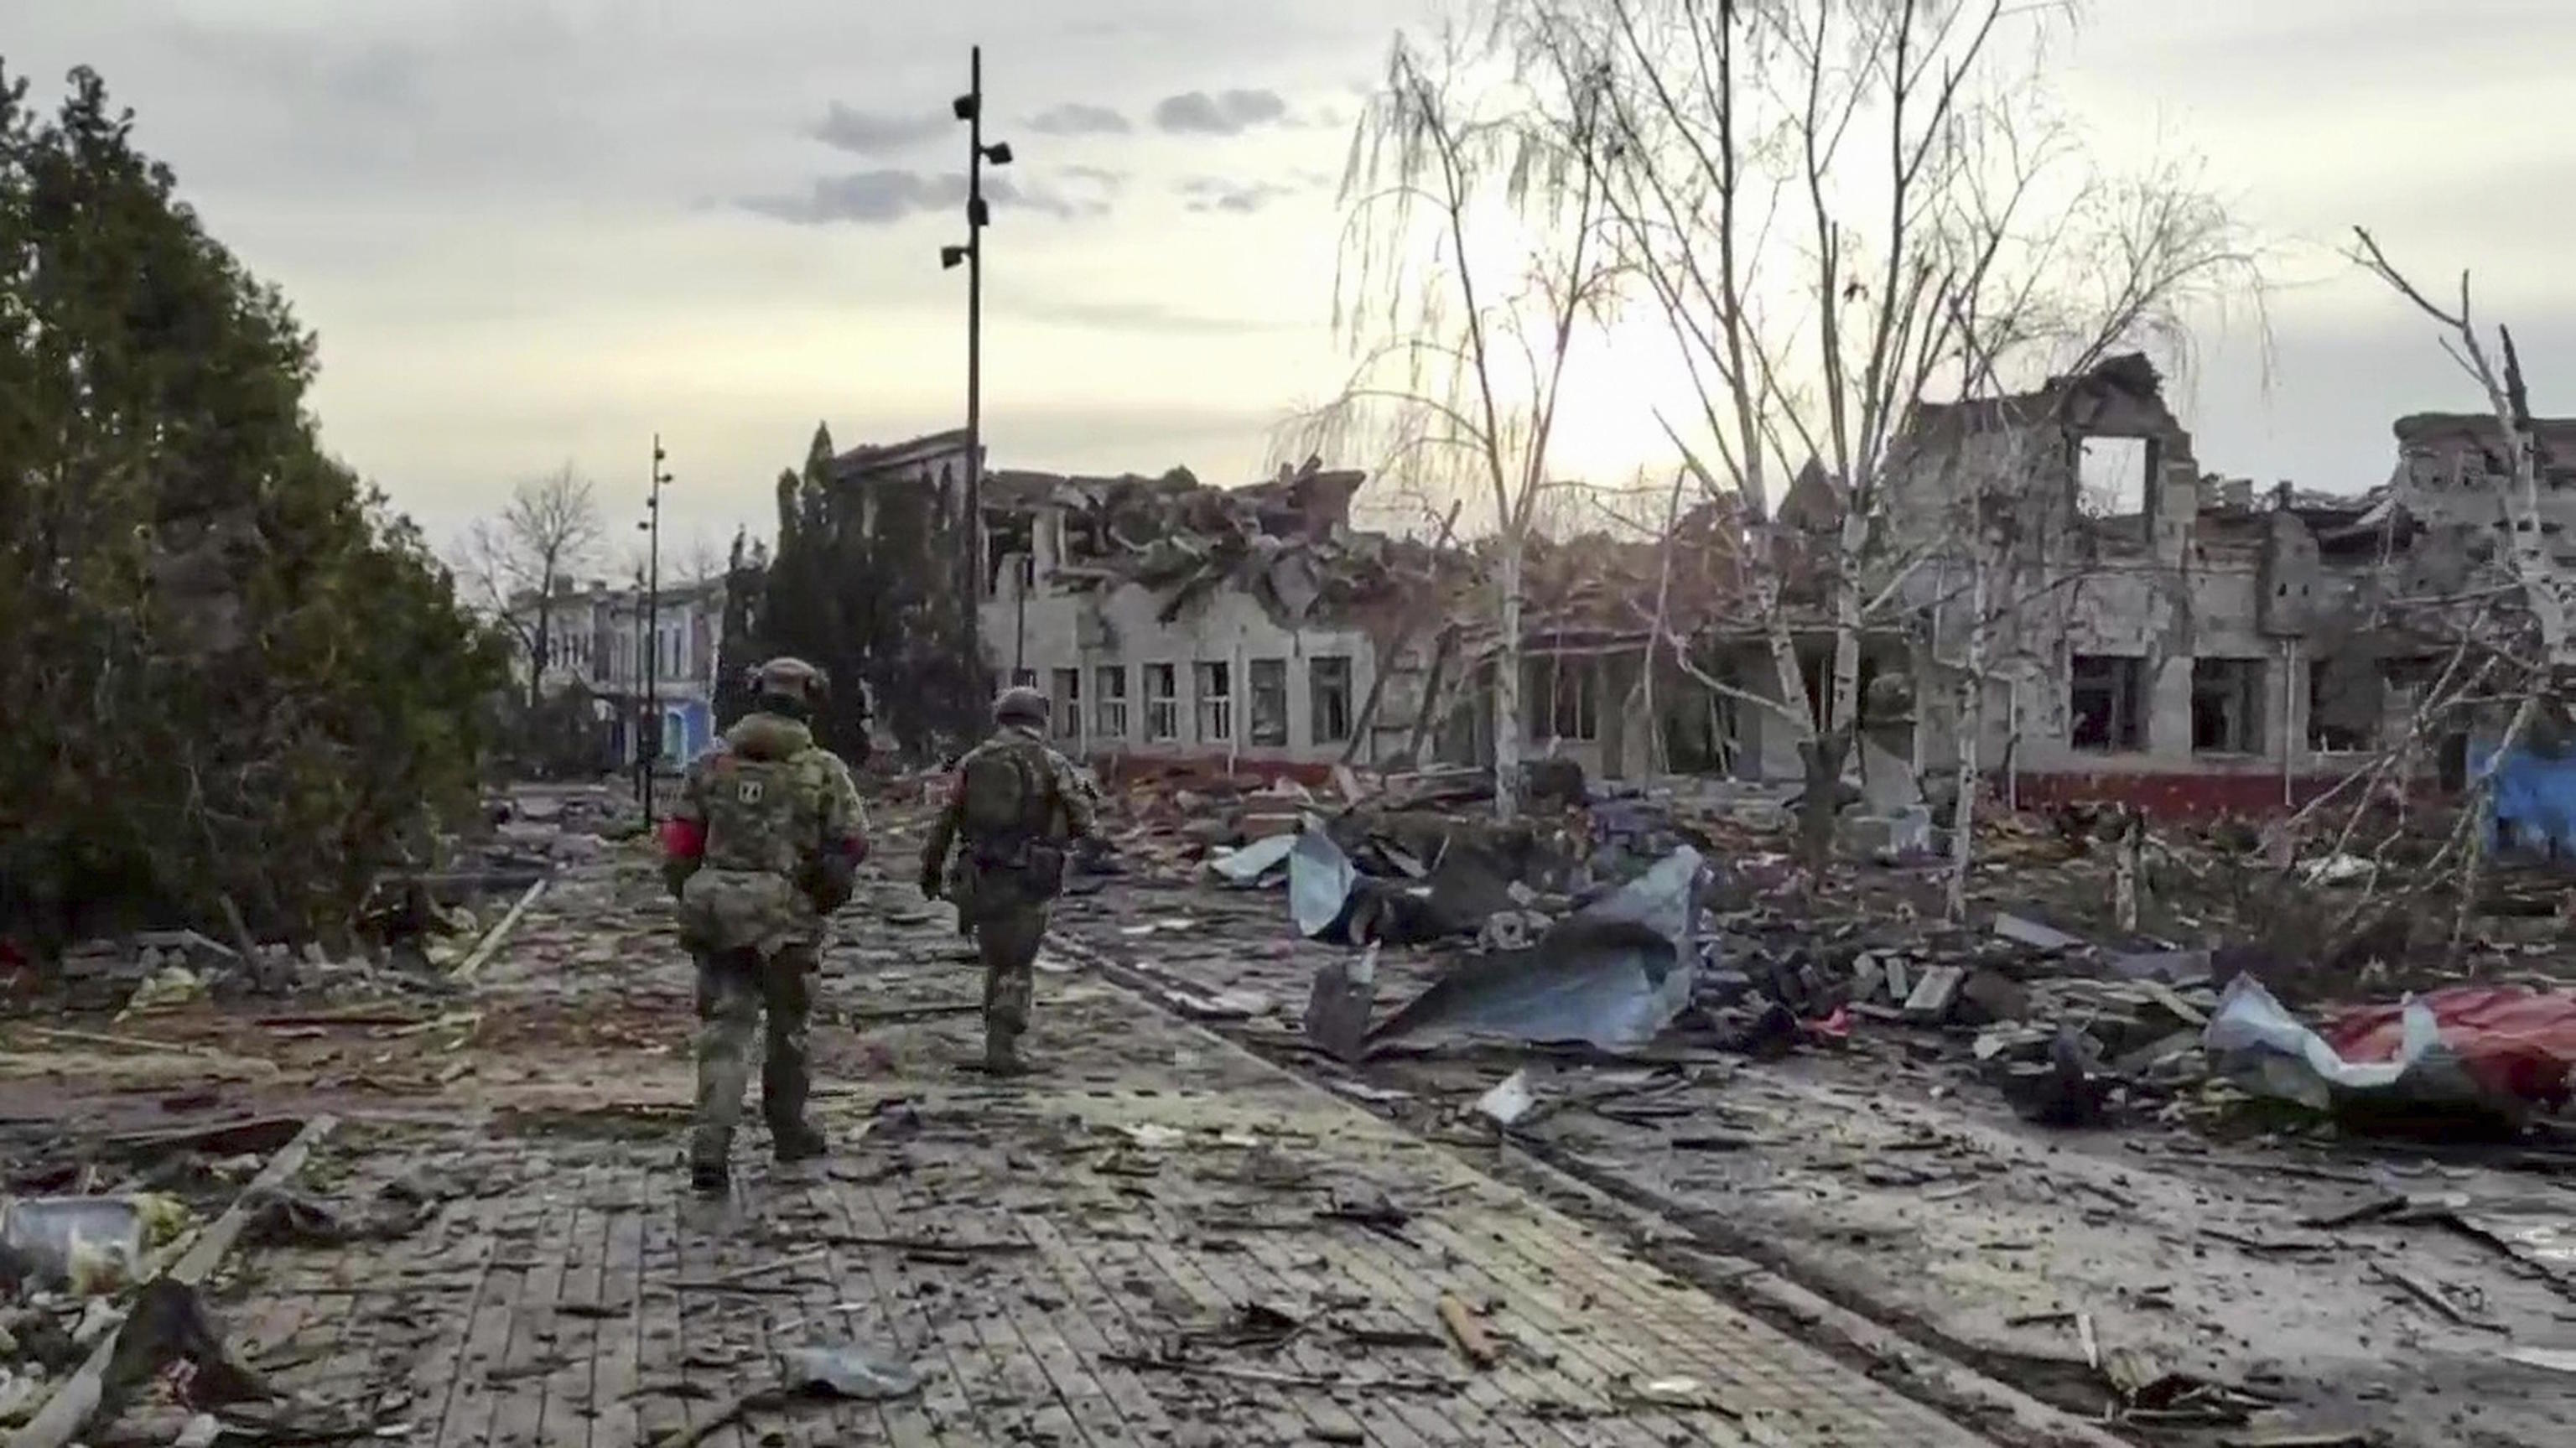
{"points": [[1284, 541], [416, 925], [92, 1232]]}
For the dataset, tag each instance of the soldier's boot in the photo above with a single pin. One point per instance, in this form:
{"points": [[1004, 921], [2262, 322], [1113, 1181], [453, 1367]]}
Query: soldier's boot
{"points": [[711, 1160], [1002, 1052], [797, 1140]]}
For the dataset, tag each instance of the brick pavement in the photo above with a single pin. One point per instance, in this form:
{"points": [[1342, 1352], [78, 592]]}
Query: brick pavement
{"points": [[1062, 1259]]}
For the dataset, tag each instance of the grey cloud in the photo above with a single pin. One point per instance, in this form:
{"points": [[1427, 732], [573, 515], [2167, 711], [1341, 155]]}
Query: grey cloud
{"points": [[1135, 317], [884, 197], [876, 133], [1100, 176], [1226, 113], [1242, 198], [1076, 119]]}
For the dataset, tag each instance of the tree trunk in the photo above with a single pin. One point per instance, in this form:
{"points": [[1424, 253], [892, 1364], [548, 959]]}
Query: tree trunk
{"points": [[1507, 679], [1971, 728], [541, 649], [1842, 708]]}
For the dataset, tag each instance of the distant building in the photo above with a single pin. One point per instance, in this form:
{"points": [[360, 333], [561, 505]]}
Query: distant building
{"points": [[600, 644]]}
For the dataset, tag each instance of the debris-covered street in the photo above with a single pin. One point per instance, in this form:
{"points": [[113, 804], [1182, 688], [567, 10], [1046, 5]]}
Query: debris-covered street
{"points": [[1562, 722], [446, 1208]]}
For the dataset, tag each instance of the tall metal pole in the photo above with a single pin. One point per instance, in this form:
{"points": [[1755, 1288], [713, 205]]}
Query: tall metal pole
{"points": [[975, 218], [648, 741]]}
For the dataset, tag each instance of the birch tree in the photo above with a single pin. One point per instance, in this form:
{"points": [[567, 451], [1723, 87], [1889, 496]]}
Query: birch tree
{"points": [[549, 532], [1476, 261], [2530, 636], [1843, 208]]}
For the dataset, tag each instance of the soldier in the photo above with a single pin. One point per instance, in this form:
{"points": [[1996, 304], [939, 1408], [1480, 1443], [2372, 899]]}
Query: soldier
{"points": [[764, 845], [1014, 807]]}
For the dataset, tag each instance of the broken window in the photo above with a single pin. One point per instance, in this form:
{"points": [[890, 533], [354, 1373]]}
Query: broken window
{"points": [[1067, 698], [2345, 697], [2105, 698], [2227, 706], [1007, 537], [1561, 698], [1109, 712], [1269, 684], [2111, 475], [1162, 702], [1328, 695], [1213, 692]]}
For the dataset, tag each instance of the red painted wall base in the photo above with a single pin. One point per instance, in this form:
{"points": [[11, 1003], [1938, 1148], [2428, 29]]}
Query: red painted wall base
{"points": [[2177, 795]]}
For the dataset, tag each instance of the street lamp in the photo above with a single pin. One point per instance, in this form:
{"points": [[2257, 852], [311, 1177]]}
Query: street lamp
{"points": [[648, 736], [970, 109]]}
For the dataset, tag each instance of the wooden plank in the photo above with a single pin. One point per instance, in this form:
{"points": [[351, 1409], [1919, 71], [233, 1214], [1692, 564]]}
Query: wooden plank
{"points": [[494, 938], [67, 1412]]}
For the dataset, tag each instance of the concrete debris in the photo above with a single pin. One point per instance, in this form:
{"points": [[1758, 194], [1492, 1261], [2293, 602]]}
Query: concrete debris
{"points": [[1509, 1101]]}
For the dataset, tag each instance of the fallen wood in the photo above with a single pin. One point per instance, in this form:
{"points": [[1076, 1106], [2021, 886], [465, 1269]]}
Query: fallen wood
{"points": [[886, 1015], [240, 1136], [131, 1043], [343, 1018], [66, 1414], [1468, 1333], [931, 1244], [2431, 1296], [498, 934], [1137, 1362], [741, 1275]]}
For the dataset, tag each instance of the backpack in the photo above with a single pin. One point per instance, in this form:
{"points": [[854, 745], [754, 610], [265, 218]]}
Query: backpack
{"points": [[1005, 796]]}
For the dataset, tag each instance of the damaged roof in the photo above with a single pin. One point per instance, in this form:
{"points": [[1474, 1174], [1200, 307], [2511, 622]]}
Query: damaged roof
{"points": [[1286, 541]]}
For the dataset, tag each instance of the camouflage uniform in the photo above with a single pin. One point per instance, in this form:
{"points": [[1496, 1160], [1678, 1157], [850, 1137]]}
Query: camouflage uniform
{"points": [[762, 847], [1004, 882]]}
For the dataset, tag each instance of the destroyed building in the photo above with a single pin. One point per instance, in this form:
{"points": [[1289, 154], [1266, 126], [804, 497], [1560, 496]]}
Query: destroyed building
{"points": [[1255, 626], [2156, 633], [2169, 637]]}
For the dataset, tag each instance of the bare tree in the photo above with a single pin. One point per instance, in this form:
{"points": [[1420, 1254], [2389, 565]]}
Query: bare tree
{"points": [[515, 564], [1475, 260], [1844, 208], [2515, 619]]}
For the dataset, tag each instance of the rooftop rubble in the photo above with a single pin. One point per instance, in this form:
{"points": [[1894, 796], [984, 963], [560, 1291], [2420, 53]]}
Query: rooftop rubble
{"points": [[1288, 542]]}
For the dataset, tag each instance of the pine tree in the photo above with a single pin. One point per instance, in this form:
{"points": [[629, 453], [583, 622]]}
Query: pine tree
{"points": [[234, 678]]}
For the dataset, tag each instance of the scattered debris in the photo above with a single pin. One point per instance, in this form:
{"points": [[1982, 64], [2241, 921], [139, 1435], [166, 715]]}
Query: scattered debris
{"points": [[1469, 1334], [1509, 1101], [1613, 975]]}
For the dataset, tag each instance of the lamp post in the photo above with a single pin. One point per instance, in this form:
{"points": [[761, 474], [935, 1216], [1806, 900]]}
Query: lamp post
{"points": [[648, 738], [970, 109]]}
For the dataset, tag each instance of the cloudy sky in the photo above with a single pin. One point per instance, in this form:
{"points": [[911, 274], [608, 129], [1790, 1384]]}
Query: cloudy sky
{"points": [[536, 231]]}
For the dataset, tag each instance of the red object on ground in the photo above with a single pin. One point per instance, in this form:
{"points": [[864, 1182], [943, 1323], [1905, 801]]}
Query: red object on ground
{"points": [[684, 839], [2511, 1040]]}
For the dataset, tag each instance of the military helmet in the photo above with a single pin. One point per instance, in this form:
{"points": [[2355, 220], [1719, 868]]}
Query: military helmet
{"points": [[1020, 704], [790, 680]]}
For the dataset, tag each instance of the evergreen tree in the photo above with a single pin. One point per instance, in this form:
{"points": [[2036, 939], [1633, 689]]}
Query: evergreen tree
{"points": [[865, 588], [232, 676]]}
